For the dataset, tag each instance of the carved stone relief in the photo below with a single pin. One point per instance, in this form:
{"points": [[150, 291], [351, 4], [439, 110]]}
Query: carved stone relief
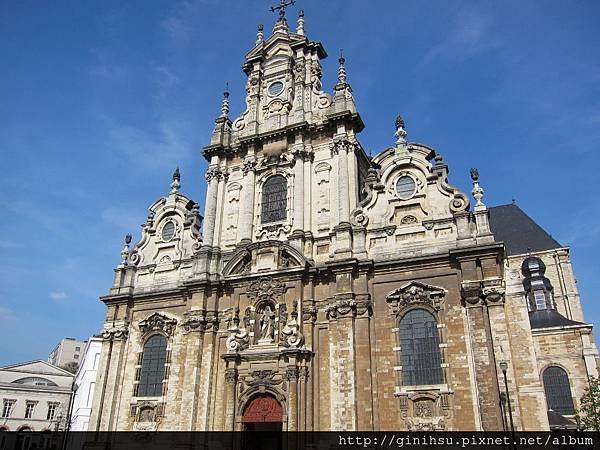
{"points": [[415, 293], [158, 322]]}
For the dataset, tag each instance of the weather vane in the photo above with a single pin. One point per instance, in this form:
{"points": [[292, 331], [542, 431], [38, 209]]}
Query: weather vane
{"points": [[281, 7]]}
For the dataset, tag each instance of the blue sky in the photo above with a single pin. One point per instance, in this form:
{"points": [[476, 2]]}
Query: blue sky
{"points": [[102, 100]]}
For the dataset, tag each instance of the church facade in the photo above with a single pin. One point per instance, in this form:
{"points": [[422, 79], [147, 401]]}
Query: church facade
{"points": [[324, 289]]}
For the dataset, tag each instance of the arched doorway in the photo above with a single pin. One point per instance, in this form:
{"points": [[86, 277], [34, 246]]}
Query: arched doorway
{"points": [[263, 413]]}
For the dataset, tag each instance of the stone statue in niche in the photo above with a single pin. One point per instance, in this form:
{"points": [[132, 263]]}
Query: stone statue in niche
{"points": [[267, 325]]}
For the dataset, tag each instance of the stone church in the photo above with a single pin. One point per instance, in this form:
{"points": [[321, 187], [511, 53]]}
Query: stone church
{"points": [[324, 289]]}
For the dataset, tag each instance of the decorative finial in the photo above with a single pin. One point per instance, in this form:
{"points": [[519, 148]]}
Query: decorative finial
{"points": [[400, 131], [175, 185], [260, 35], [477, 191], [125, 251], [300, 27], [342, 78], [281, 7], [225, 103], [474, 174], [514, 201]]}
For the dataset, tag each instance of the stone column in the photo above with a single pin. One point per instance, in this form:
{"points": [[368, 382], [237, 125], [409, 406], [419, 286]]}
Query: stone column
{"points": [[343, 184], [193, 324], [231, 381], [302, 409], [307, 194], [116, 333], [248, 203], [298, 221], [292, 374], [210, 211], [486, 376], [223, 177]]}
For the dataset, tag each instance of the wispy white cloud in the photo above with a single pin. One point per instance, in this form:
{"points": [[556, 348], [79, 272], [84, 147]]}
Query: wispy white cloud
{"points": [[123, 217], [164, 77], [166, 147], [466, 37], [57, 296], [105, 66]]}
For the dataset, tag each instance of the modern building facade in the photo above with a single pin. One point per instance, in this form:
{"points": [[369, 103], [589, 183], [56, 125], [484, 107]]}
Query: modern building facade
{"points": [[35, 396], [67, 351], [330, 290], [85, 384]]}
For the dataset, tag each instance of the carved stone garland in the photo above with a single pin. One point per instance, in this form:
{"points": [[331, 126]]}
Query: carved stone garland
{"points": [[415, 293], [158, 322]]}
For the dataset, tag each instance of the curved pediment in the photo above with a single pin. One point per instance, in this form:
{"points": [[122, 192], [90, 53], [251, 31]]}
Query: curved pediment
{"points": [[264, 256]]}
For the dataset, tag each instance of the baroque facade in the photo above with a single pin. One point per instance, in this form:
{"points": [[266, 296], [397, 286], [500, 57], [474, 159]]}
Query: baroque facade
{"points": [[330, 290]]}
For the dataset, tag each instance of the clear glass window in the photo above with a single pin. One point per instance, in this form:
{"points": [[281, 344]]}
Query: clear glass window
{"points": [[275, 88], [168, 231], [405, 187], [29, 410], [540, 300]]}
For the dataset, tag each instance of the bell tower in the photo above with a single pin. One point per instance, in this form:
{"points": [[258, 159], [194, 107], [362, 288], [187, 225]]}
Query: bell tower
{"points": [[290, 166]]}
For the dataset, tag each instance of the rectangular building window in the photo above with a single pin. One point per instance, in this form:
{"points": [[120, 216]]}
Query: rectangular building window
{"points": [[7, 407], [77, 349], [29, 407], [76, 356], [52, 407]]}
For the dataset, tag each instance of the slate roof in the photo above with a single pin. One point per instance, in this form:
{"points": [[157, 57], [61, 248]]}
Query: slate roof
{"points": [[518, 231], [549, 318]]}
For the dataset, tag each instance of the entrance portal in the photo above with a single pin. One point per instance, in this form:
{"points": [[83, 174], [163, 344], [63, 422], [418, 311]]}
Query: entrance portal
{"points": [[264, 414]]}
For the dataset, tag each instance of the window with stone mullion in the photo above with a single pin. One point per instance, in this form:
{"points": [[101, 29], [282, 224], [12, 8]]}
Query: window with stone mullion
{"points": [[558, 390], [420, 352], [152, 372], [274, 200]]}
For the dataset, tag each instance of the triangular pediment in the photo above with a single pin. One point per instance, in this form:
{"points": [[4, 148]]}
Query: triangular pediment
{"points": [[37, 367], [264, 49]]}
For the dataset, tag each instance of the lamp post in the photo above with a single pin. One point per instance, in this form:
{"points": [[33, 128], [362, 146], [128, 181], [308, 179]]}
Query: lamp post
{"points": [[504, 368], [503, 410]]}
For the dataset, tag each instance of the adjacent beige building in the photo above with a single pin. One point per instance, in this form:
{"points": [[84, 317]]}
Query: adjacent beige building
{"points": [[330, 290], [67, 351]]}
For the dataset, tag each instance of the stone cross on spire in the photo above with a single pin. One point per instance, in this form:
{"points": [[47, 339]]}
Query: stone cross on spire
{"points": [[281, 7]]}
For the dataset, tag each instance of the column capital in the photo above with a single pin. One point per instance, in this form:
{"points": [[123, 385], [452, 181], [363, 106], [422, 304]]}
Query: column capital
{"points": [[292, 373], [231, 375]]}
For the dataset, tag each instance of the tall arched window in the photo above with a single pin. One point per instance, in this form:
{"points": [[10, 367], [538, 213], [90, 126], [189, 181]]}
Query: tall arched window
{"points": [[558, 390], [152, 371], [419, 349], [274, 199]]}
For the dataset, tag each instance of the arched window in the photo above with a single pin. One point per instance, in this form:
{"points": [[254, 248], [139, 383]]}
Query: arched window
{"points": [[274, 200], [558, 390], [419, 349], [152, 372]]}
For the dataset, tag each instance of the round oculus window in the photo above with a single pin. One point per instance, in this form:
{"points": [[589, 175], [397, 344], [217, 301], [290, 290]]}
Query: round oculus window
{"points": [[168, 231], [405, 187], [275, 88]]}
